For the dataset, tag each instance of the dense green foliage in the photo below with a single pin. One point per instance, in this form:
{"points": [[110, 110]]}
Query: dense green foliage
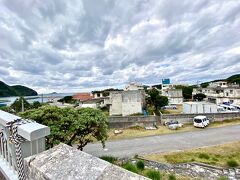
{"points": [[67, 99], [130, 167], [140, 165], [17, 105], [234, 79], [232, 163], [70, 125], [155, 99], [106, 92], [17, 90], [187, 91], [7, 109], [110, 159], [153, 174], [199, 97], [172, 177]]}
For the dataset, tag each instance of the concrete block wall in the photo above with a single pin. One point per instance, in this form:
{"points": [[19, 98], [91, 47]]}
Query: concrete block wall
{"points": [[187, 118], [128, 121]]}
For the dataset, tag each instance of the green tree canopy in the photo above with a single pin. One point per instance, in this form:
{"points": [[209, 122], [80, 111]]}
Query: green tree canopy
{"points": [[199, 97], [155, 99], [17, 104], [187, 91], [70, 125]]}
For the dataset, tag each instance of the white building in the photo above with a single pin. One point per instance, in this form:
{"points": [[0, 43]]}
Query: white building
{"points": [[126, 102], [220, 92], [175, 96], [133, 87], [199, 107]]}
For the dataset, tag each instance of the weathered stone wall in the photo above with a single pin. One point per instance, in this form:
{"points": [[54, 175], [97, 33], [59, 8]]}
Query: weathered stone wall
{"points": [[126, 102], [66, 163], [128, 121], [116, 103], [194, 170], [188, 118]]}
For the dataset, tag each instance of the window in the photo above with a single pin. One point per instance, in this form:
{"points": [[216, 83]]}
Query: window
{"points": [[231, 91]]}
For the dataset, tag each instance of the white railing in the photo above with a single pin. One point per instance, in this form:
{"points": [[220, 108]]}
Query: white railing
{"points": [[33, 135]]}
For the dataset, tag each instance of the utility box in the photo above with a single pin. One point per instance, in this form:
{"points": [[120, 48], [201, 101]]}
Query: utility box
{"points": [[199, 107]]}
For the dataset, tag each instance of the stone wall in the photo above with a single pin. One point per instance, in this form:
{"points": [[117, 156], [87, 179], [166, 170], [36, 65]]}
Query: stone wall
{"points": [[128, 121], [194, 170], [66, 163], [188, 118]]}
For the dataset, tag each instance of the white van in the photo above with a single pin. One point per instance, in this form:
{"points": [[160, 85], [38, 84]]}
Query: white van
{"points": [[200, 121]]}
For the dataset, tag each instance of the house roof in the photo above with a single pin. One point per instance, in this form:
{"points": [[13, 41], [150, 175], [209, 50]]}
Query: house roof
{"points": [[82, 96]]}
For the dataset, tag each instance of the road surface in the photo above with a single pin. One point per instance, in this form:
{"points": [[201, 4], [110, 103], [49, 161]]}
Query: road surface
{"points": [[166, 143]]}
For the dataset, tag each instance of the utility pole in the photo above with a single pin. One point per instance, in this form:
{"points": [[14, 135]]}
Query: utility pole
{"points": [[42, 98], [22, 105]]}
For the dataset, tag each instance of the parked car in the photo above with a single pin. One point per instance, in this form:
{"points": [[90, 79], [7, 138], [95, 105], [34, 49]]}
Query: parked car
{"points": [[200, 121], [173, 124], [169, 107]]}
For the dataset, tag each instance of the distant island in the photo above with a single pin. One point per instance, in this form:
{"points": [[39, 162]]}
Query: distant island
{"points": [[17, 90]]}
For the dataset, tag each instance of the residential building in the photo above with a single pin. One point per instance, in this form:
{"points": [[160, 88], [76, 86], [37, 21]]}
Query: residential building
{"points": [[82, 96], [175, 96], [133, 87], [220, 92], [126, 102]]}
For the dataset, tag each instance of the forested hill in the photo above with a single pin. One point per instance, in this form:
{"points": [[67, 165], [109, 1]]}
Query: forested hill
{"points": [[232, 79], [18, 90]]}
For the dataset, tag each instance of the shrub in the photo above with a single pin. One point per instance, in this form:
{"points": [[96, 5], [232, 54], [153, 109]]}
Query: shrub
{"points": [[140, 165], [110, 159], [153, 174], [223, 178], [203, 156], [172, 177], [232, 163], [130, 167]]}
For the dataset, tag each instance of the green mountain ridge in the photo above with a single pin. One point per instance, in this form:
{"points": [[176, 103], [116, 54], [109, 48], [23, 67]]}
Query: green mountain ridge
{"points": [[232, 79], [17, 90]]}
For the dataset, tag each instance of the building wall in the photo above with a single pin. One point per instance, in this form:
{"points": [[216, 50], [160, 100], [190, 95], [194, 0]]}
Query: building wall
{"points": [[199, 107], [127, 102], [175, 100], [116, 103]]}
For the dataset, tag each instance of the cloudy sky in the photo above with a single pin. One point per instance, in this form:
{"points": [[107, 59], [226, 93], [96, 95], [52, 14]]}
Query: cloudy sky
{"points": [[78, 45]]}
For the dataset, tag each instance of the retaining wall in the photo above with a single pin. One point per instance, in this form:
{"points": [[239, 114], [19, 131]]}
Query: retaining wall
{"points": [[128, 121], [187, 118]]}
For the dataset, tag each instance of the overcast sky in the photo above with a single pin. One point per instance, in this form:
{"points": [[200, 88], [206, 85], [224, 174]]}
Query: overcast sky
{"points": [[79, 45]]}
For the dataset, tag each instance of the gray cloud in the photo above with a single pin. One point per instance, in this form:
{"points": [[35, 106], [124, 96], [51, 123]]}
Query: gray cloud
{"points": [[79, 44]]}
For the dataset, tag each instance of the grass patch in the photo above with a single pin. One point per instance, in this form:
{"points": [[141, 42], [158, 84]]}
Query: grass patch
{"points": [[130, 167], [140, 165], [226, 155], [232, 163], [153, 174], [110, 159]]}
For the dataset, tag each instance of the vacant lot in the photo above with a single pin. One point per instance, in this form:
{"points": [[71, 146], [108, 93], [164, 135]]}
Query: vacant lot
{"points": [[226, 155], [141, 132]]}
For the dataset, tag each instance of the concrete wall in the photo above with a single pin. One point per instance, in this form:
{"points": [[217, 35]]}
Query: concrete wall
{"points": [[116, 103], [126, 102], [128, 121], [187, 118]]}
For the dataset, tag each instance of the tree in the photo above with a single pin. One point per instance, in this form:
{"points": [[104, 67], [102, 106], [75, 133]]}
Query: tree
{"points": [[156, 100], [199, 96], [69, 125], [67, 99], [17, 104], [187, 91]]}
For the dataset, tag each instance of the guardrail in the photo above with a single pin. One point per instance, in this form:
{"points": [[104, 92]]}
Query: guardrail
{"points": [[19, 138]]}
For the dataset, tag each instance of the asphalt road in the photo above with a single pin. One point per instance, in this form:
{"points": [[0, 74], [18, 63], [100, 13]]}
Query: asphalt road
{"points": [[166, 143]]}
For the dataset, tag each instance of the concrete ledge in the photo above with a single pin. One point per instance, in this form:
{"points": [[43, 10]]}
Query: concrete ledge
{"points": [[65, 162]]}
